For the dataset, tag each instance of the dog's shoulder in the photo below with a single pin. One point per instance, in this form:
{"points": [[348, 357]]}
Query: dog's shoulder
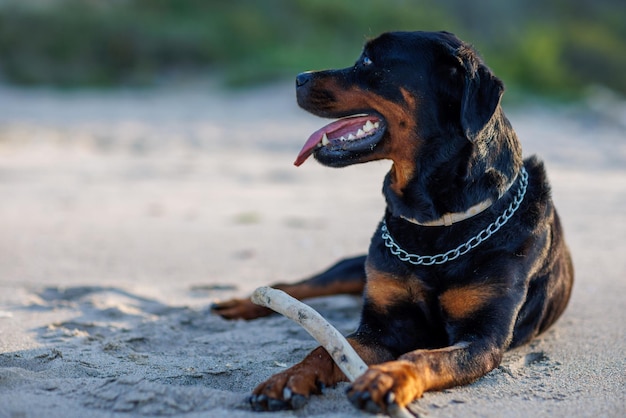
{"points": [[537, 205]]}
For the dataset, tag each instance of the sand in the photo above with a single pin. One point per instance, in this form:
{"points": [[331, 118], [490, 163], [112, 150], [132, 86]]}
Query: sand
{"points": [[125, 214]]}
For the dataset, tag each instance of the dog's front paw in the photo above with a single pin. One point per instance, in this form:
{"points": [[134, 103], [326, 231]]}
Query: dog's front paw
{"points": [[239, 309], [287, 390], [385, 386], [291, 388]]}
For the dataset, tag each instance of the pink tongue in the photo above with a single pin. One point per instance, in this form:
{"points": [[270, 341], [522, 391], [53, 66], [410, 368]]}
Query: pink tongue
{"points": [[316, 137], [310, 145]]}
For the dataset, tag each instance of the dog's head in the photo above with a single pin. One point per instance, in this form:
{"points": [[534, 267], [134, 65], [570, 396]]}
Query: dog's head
{"points": [[406, 89]]}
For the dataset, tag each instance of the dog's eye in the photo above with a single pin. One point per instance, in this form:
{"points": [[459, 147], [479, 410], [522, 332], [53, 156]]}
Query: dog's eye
{"points": [[367, 61]]}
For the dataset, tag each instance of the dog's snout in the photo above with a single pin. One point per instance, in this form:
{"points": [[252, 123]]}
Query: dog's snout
{"points": [[302, 79]]}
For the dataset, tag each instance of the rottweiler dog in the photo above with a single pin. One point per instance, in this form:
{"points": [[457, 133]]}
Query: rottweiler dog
{"points": [[469, 259]]}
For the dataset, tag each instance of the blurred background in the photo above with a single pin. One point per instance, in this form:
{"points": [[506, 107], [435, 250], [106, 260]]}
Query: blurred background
{"points": [[556, 48], [149, 139]]}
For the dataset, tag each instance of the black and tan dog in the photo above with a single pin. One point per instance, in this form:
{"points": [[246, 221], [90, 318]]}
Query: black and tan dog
{"points": [[469, 259]]}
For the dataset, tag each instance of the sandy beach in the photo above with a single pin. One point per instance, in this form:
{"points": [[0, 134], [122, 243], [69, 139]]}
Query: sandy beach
{"points": [[124, 214]]}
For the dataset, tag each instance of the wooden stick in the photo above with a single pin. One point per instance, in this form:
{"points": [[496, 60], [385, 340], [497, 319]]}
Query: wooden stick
{"points": [[335, 344]]}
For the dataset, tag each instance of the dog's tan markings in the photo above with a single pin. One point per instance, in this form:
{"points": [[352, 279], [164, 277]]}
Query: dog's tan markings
{"points": [[411, 375], [461, 302], [401, 174], [303, 378], [402, 144], [419, 371], [405, 144], [305, 291], [384, 289], [240, 309]]}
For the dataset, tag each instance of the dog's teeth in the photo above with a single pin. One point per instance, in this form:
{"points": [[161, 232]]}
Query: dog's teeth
{"points": [[325, 140], [368, 126], [343, 138], [360, 132], [352, 136], [377, 124]]}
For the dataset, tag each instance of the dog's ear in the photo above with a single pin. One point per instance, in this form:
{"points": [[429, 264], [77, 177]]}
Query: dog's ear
{"points": [[481, 97]]}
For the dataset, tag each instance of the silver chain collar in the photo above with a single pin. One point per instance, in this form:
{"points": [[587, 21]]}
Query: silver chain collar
{"points": [[429, 260]]}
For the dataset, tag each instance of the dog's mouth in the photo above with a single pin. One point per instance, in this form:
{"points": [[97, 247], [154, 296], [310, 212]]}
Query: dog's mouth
{"points": [[351, 136]]}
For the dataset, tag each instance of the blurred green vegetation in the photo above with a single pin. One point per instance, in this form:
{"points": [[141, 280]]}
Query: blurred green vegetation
{"points": [[549, 47]]}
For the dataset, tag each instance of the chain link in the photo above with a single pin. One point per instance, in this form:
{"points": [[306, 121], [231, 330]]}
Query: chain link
{"points": [[429, 260]]}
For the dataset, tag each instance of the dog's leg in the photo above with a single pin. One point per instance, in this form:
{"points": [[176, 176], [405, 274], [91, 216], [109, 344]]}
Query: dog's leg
{"points": [[291, 388], [404, 380], [345, 277], [478, 322]]}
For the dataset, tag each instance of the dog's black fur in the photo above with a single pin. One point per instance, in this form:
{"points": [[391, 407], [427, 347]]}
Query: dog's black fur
{"points": [[430, 327]]}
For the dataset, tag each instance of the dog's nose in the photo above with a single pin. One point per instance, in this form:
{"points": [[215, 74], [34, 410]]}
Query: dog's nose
{"points": [[302, 79]]}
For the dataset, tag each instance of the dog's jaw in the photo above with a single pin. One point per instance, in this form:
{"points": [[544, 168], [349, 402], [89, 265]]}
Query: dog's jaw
{"points": [[346, 141]]}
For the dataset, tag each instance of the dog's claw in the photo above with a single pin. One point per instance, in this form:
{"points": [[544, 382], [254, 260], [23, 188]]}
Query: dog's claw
{"points": [[256, 402], [277, 405], [298, 401], [287, 393], [363, 401], [371, 407], [291, 400], [262, 403]]}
